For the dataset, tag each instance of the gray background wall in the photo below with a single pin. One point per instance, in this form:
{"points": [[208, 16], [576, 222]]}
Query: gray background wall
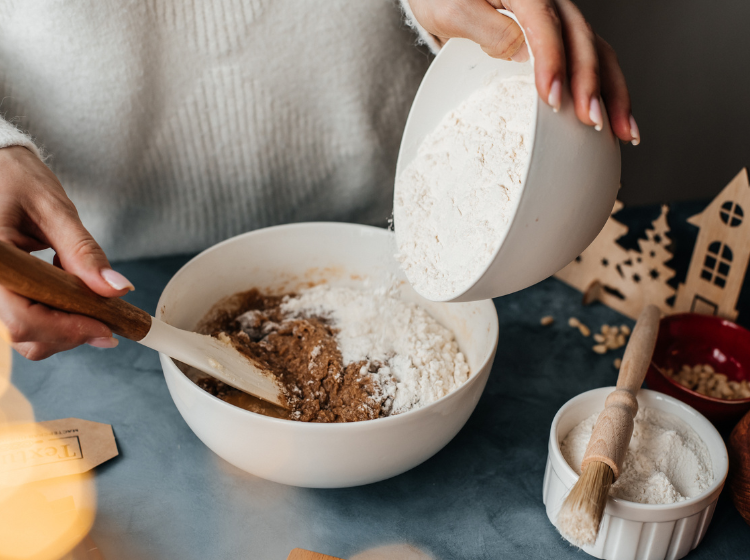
{"points": [[688, 68]]}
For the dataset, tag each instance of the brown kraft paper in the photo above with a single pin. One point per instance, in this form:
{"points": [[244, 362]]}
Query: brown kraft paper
{"points": [[42, 450]]}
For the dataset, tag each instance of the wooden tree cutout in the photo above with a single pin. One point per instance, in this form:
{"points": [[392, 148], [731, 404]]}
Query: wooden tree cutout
{"points": [[626, 280], [623, 279]]}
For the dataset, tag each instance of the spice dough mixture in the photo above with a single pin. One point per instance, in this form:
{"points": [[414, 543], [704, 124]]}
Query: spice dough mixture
{"points": [[343, 354]]}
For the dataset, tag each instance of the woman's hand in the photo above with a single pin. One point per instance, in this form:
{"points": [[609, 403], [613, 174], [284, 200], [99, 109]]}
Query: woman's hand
{"points": [[563, 44], [35, 213]]}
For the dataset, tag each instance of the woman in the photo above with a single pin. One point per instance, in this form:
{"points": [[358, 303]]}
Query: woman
{"points": [[173, 125]]}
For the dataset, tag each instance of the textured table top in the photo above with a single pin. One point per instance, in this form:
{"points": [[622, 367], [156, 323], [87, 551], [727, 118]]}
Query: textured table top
{"points": [[167, 496]]}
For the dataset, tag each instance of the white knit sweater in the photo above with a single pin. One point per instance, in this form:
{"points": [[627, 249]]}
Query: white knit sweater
{"points": [[174, 124]]}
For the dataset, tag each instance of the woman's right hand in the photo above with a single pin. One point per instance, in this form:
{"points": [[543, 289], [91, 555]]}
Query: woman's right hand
{"points": [[35, 214], [562, 41]]}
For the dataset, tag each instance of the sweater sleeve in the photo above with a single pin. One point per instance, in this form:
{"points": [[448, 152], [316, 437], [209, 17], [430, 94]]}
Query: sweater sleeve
{"points": [[425, 37], [12, 136]]}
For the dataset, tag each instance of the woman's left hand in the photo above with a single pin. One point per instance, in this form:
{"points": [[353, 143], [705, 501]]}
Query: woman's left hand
{"points": [[563, 43]]}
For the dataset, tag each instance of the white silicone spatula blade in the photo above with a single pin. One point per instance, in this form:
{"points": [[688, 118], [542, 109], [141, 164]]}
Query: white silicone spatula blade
{"points": [[216, 358]]}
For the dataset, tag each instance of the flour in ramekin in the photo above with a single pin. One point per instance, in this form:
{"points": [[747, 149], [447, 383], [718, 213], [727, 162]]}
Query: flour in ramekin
{"points": [[666, 461], [420, 360], [454, 202]]}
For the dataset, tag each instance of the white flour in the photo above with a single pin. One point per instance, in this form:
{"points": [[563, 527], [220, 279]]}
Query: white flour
{"points": [[420, 357], [454, 202], [666, 461]]}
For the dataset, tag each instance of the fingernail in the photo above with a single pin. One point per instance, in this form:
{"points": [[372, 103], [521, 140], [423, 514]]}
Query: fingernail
{"points": [[521, 55], [555, 95], [595, 113], [103, 342], [634, 132], [116, 280]]}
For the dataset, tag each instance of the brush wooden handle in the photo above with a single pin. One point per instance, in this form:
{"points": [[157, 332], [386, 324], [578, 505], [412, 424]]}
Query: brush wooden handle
{"points": [[614, 427], [37, 280]]}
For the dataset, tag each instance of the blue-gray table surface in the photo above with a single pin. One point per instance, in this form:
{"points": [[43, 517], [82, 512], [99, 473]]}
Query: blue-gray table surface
{"points": [[167, 496]]}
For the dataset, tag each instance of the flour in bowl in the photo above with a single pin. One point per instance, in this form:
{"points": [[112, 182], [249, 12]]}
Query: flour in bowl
{"points": [[666, 461], [454, 202], [417, 356]]}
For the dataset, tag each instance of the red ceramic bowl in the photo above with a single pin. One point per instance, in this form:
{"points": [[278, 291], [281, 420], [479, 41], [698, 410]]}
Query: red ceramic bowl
{"points": [[689, 338]]}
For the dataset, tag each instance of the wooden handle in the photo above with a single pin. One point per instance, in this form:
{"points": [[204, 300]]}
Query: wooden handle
{"points": [[614, 427], [37, 280], [301, 554]]}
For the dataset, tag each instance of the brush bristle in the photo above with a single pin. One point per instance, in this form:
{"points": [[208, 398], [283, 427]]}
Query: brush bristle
{"points": [[581, 512]]}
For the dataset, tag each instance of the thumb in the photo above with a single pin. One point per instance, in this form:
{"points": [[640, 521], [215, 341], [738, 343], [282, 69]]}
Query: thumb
{"points": [[498, 35], [80, 255]]}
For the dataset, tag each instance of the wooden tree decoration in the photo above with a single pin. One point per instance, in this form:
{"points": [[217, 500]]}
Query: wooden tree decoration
{"points": [[651, 265], [626, 280], [622, 279]]}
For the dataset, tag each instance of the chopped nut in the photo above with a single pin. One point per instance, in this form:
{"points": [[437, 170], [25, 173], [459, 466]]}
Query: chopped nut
{"points": [[585, 331], [617, 363], [599, 337], [624, 329], [703, 379], [573, 322], [600, 349], [548, 320], [621, 340], [726, 392]]}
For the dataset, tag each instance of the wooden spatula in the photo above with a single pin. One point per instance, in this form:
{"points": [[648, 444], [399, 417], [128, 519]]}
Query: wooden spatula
{"points": [[41, 282], [301, 554]]}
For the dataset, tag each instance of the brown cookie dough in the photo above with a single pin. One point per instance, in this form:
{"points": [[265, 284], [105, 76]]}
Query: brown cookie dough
{"points": [[303, 354]]}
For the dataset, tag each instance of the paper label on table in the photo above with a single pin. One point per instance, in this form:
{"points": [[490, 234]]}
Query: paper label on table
{"points": [[32, 452]]}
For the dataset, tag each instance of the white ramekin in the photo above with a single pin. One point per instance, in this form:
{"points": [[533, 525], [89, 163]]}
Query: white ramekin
{"points": [[630, 530]]}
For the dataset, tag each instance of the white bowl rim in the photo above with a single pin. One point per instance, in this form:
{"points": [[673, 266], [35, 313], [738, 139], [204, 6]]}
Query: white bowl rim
{"points": [[533, 126], [716, 484], [486, 361]]}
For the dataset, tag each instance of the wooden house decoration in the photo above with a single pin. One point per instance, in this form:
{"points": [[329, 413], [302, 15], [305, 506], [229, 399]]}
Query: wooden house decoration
{"points": [[721, 254], [623, 279], [626, 280]]}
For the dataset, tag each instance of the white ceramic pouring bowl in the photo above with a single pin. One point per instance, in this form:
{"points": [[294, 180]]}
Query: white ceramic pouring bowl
{"points": [[630, 530], [570, 183], [318, 455]]}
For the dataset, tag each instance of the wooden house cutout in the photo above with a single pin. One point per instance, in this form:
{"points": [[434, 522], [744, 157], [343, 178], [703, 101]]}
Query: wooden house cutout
{"points": [[626, 279], [721, 253]]}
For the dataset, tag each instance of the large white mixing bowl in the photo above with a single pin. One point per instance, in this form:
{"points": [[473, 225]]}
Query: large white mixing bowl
{"points": [[318, 455]]}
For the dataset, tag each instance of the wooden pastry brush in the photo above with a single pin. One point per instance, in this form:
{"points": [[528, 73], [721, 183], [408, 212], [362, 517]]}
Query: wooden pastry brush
{"points": [[582, 510]]}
